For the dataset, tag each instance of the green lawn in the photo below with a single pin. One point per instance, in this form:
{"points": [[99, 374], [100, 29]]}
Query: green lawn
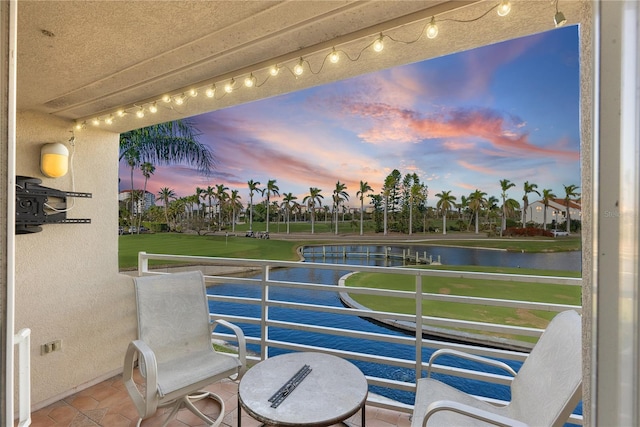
{"points": [[190, 244], [487, 288]]}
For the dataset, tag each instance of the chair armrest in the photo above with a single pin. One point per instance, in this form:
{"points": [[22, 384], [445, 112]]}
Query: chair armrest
{"points": [[242, 343], [472, 412], [473, 357], [148, 403]]}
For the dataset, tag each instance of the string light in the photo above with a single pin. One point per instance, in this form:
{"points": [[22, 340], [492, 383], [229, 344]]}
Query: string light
{"points": [[228, 88], [334, 57], [432, 29], [250, 81], [502, 7], [378, 45], [298, 69]]}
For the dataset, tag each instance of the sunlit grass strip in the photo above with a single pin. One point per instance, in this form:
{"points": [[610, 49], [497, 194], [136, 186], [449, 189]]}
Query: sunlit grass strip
{"points": [[484, 288]]}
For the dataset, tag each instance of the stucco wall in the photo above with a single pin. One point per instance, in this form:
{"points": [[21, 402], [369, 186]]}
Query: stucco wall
{"points": [[67, 281]]}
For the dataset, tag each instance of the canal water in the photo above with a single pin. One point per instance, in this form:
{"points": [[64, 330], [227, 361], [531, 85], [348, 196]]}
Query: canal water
{"points": [[450, 256]]}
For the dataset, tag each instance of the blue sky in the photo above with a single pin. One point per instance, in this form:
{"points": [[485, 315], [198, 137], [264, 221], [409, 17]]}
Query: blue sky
{"points": [[461, 122]]}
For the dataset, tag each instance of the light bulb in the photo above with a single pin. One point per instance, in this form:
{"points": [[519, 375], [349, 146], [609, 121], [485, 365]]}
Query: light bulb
{"points": [[120, 113], [229, 86], [95, 122], [334, 57], [193, 93], [166, 98], [153, 108], [274, 70], [179, 100], [432, 29], [250, 81], [559, 19], [378, 45], [504, 8], [298, 69], [109, 120], [140, 113], [78, 126], [211, 91]]}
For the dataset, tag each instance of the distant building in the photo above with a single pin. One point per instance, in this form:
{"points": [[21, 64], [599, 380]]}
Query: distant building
{"points": [[143, 205], [556, 211]]}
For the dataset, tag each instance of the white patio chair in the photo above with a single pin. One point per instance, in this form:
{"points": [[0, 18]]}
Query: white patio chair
{"points": [[174, 349], [544, 392]]}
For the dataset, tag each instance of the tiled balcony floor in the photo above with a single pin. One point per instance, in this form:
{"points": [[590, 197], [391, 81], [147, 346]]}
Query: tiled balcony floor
{"points": [[107, 404]]}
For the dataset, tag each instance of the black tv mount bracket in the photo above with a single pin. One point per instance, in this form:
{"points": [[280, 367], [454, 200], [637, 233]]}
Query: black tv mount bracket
{"points": [[37, 205]]}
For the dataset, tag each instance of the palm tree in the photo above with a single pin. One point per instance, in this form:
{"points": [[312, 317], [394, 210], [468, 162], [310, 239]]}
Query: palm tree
{"points": [[547, 195], [167, 143], [132, 157], [147, 170], [221, 196], [272, 188], [477, 200], [234, 202], [288, 202], [505, 185], [569, 191], [364, 189], [253, 187], [166, 195], [210, 194], [201, 193], [339, 195], [445, 203], [528, 188], [310, 200]]}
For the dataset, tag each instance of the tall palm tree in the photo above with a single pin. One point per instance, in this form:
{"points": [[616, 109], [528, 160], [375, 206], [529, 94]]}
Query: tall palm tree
{"points": [[210, 194], [166, 194], [505, 185], [288, 202], [477, 200], [147, 170], [272, 189], [132, 157], [235, 204], [310, 200], [168, 143], [547, 196], [253, 188], [569, 192], [339, 195], [528, 188], [445, 203], [364, 189], [221, 196]]}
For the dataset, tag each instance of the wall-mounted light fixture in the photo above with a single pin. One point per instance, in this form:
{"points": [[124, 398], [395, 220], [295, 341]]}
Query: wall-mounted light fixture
{"points": [[54, 160]]}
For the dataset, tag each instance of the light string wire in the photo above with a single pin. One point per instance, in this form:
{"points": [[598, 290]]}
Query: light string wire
{"points": [[219, 90]]}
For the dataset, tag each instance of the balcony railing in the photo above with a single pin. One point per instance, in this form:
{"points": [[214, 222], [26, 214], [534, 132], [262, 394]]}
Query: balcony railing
{"points": [[225, 271]]}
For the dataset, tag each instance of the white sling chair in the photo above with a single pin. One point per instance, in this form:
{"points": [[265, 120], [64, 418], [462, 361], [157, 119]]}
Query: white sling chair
{"points": [[544, 392], [174, 349]]}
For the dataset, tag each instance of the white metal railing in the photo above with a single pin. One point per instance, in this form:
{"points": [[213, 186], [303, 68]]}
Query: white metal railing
{"points": [[23, 340], [264, 284]]}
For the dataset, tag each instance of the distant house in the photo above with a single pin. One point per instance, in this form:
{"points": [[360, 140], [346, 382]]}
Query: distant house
{"points": [[556, 211], [143, 205]]}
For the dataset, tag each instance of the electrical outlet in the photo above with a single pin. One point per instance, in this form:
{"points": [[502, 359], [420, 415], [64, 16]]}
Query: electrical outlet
{"points": [[50, 347]]}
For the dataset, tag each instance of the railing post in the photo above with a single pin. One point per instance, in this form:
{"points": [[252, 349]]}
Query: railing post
{"points": [[143, 263], [23, 340], [418, 326], [264, 329]]}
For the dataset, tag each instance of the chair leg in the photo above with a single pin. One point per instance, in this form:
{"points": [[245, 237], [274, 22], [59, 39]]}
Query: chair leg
{"points": [[187, 401]]}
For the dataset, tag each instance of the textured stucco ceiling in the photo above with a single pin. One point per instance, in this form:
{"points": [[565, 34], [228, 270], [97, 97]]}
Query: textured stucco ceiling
{"points": [[84, 59]]}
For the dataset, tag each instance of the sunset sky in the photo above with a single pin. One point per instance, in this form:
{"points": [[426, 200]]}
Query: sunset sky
{"points": [[461, 122]]}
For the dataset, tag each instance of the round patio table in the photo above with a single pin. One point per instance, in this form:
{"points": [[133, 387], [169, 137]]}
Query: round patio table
{"points": [[332, 391]]}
